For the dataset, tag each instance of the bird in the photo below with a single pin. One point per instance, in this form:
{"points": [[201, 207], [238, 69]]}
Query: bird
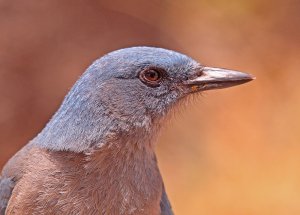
{"points": [[96, 155]]}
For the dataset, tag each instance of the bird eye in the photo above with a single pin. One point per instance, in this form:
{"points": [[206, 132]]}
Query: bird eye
{"points": [[151, 76]]}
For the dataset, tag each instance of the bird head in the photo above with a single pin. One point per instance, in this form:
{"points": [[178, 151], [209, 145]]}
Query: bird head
{"points": [[144, 83], [128, 91]]}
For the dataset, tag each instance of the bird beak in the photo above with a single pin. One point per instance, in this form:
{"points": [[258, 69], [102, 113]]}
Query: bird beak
{"points": [[215, 78]]}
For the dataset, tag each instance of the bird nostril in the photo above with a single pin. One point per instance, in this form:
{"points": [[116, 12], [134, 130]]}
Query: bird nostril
{"points": [[199, 72], [196, 74]]}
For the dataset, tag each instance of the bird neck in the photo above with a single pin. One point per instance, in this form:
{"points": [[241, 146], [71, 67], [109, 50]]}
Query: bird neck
{"points": [[122, 160], [127, 177], [123, 180], [83, 123], [85, 135]]}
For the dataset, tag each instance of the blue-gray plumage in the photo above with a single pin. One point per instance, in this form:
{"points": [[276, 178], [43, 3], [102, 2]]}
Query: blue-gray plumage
{"points": [[96, 154]]}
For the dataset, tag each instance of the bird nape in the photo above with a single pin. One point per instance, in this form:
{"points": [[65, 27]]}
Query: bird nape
{"points": [[96, 154]]}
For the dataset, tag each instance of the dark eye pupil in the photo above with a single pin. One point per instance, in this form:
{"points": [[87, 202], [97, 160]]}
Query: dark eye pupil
{"points": [[152, 75]]}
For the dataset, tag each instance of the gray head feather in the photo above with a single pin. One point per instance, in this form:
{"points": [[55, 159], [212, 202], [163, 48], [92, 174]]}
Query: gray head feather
{"points": [[110, 100]]}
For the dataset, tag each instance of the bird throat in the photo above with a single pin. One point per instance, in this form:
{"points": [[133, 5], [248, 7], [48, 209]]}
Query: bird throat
{"points": [[112, 153], [114, 179], [127, 174], [120, 162]]}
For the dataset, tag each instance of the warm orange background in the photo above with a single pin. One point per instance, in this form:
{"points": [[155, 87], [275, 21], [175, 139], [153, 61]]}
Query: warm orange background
{"points": [[231, 152]]}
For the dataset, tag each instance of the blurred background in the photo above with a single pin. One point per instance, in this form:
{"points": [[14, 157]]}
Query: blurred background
{"points": [[231, 152]]}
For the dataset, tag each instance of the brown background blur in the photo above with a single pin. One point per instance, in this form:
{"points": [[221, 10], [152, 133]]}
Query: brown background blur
{"points": [[234, 151]]}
